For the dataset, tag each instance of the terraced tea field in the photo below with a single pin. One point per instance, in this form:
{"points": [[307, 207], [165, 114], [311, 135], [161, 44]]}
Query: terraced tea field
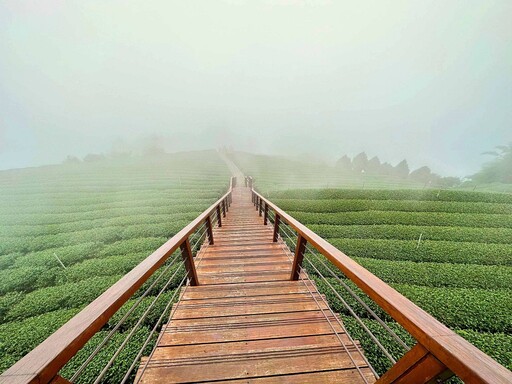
{"points": [[99, 220], [278, 173], [449, 252]]}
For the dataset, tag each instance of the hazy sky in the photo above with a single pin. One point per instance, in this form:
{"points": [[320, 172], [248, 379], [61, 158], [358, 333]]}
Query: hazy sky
{"points": [[430, 81]]}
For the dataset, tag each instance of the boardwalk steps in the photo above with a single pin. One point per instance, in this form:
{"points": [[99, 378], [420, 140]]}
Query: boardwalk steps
{"points": [[248, 313], [247, 322]]}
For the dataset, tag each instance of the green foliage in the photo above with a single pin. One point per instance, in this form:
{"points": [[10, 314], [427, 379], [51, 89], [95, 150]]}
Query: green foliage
{"points": [[123, 247], [393, 194], [413, 232], [68, 255], [20, 337], [20, 279], [352, 205], [7, 301], [71, 295], [121, 364], [496, 345], [114, 265], [477, 220], [100, 219], [440, 274], [499, 169], [428, 251], [476, 309], [460, 271]]}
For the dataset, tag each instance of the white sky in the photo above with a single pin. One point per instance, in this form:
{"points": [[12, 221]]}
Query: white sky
{"points": [[430, 81]]}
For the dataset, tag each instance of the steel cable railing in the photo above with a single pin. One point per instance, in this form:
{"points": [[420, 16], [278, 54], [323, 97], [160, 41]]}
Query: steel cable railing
{"points": [[135, 327], [372, 313], [386, 321], [137, 358], [291, 241], [289, 235], [120, 325], [199, 259], [109, 336]]}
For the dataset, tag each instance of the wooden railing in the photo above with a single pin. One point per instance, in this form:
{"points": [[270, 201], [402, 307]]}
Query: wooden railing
{"points": [[43, 363], [439, 352]]}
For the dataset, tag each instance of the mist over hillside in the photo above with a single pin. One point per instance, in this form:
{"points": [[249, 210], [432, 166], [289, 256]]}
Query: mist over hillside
{"points": [[418, 81]]}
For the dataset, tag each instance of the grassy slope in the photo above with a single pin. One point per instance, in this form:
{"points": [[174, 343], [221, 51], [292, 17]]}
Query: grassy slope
{"points": [[461, 271], [101, 219]]}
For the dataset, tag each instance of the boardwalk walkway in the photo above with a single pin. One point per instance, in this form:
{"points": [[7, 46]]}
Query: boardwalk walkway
{"points": [[247, 322]]}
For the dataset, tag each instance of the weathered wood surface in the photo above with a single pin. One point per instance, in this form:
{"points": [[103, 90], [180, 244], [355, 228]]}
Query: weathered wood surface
{"points": [[247, 322]]}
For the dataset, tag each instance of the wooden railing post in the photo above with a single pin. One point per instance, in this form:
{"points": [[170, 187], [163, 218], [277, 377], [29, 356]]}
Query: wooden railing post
{"points": [[276, 227], [260, 207], [299, 256], [219, 220], [226, 203], [186, 252], [209, 230], [257, 202], [416, 366], [265, 216], [223, 204]]}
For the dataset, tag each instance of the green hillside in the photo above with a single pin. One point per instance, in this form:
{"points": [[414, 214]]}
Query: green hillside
{"points": [[100, 219], [449, 251]]}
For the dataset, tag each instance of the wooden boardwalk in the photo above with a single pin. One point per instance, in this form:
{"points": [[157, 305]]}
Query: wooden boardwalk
{"points": [[247, 321]]}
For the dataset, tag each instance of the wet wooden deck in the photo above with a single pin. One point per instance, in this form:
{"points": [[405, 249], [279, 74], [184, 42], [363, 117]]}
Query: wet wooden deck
{"points": [[247, 322]]}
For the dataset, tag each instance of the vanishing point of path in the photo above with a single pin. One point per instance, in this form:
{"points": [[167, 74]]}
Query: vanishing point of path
{"points": [[247, 322]]}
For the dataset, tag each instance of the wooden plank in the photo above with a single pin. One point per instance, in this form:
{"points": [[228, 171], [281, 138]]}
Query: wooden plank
{"points": [[242, 290], [246, 267], [238, 328], [249, 346], [246, 277], [297, 317], [189, 311], [222, 333], [248, 260], [344, 376], [460, 356], [248, 366]]}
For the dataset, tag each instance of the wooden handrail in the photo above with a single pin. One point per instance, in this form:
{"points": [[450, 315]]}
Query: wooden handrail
{"points": [[43, 363], [461, 357]]}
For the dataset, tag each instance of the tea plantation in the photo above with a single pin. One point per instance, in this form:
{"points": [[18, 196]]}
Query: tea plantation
{"points": [[460, 270], [100, 219], [449, 251]]}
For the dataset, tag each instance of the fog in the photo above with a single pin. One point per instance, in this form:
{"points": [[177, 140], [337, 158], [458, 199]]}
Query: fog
{"points": [[429, 81]]}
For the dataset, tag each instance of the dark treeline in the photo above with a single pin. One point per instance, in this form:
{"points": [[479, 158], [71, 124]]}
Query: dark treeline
{"points": [[499, 169], [360, 164]]}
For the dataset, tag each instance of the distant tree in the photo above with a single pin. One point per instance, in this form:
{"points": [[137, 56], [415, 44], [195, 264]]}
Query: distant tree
{"points": [[71, 160], [402, 169], [374, 165], [92, 157], [344, 164], [499, 169], [447, 182], [386, 169], [360, 163], [423, 174]]}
